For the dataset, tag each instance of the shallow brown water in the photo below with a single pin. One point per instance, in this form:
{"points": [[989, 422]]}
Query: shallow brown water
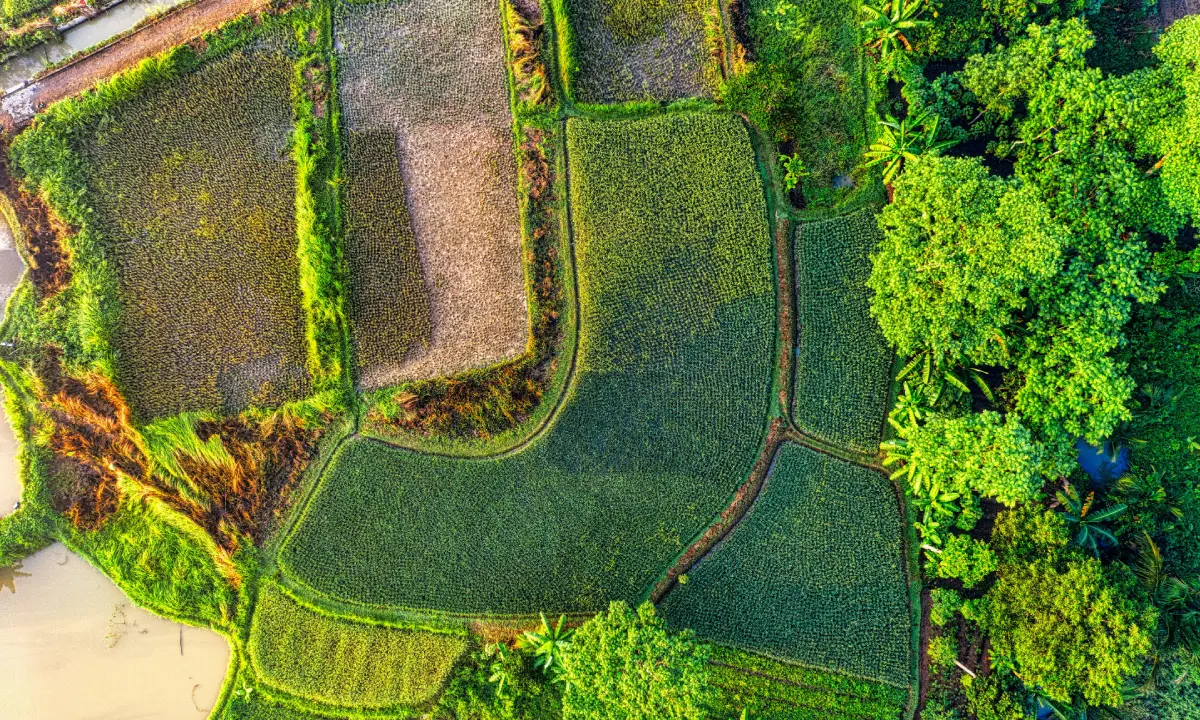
{"points": [[72, 647]]}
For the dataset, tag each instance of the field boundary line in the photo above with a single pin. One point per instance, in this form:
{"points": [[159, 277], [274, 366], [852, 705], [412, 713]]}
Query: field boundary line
{"points": [[572, 367]]}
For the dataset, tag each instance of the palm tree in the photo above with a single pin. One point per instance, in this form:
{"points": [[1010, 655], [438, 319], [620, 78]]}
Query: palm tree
{"points": [[547, 644], [886, 24], [905, 139], [1078, 511], [1178, 601]]}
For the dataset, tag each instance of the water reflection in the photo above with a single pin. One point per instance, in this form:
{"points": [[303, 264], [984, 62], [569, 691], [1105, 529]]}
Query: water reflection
{"points": [[81, 37]]}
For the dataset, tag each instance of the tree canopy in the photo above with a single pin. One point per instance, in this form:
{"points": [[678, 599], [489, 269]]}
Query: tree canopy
{"points": [[625, 665]]}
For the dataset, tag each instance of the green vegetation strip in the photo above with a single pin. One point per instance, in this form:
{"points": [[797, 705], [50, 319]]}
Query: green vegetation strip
{"points": [[662, 425], [843, 364], [343, 662], [813, 574]]}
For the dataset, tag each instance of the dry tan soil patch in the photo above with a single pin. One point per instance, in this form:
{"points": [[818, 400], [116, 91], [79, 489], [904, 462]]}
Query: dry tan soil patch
{"points": [[434, 72]]}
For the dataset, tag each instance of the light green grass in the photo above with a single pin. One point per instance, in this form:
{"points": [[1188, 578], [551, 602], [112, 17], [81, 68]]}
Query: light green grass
{"points": [[773, 690], [814, 573], [662, 423], [843, 362], [343, 662]]}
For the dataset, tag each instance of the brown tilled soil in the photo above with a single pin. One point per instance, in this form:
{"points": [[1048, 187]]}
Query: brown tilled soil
{"points": [[174, 29]]}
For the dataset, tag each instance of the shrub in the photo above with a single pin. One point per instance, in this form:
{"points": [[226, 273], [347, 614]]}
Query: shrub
{"points": [[943, 651], [627, 666]]}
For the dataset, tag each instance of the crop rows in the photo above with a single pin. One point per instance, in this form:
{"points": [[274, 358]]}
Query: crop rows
{"points": [[389, 308], [192, 185], [343, 662], [843, 363], [813, 574], [626, 50], [773, 695], [432, 73], [663, 422]]}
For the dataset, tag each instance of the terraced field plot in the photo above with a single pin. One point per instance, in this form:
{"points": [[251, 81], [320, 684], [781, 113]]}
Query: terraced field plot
{"points": [[346, 663], [843, 364], [192, 188], [774, 690], [640, 49], [431, 73], [813, 574], [663, 421]]}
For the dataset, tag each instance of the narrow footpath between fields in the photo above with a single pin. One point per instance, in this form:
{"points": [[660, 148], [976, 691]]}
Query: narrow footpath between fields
{"points": [[175, 28]]}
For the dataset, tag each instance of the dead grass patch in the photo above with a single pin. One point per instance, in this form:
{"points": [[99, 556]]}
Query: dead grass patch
{"points": [[39, 234]]}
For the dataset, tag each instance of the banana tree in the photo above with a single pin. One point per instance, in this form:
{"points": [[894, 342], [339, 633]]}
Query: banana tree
{"points": [[1077, 510], [887, 24], [904, 140], [547, 644]]}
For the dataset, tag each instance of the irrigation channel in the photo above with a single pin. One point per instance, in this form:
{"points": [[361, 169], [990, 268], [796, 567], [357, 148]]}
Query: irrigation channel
{"points": [[90, 33], [72, 646]]}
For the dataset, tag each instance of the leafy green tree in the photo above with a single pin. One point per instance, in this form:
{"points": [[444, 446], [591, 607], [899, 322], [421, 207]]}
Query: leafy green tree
{"points": [[625, 665], [961, 251], [978, 453], [944, 605], [1175, 137], [1065, 628], [993, 698], [964, 558], [888, 25], [901, 140]]}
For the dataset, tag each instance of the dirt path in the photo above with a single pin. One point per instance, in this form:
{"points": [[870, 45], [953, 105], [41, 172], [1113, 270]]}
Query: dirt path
{"points": [[176, 28]]}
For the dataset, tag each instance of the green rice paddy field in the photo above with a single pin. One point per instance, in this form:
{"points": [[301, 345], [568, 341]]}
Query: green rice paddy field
{"points": [[663, 421]]}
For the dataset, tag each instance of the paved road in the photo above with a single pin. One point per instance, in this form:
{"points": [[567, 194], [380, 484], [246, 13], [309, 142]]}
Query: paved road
{"points": [[176, 28]]}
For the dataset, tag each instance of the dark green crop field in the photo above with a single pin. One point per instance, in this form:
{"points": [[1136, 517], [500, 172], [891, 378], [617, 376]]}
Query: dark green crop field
{"points": [[843, 361], [192, 187], [823, 543], [663, 421], [389, 308]]}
